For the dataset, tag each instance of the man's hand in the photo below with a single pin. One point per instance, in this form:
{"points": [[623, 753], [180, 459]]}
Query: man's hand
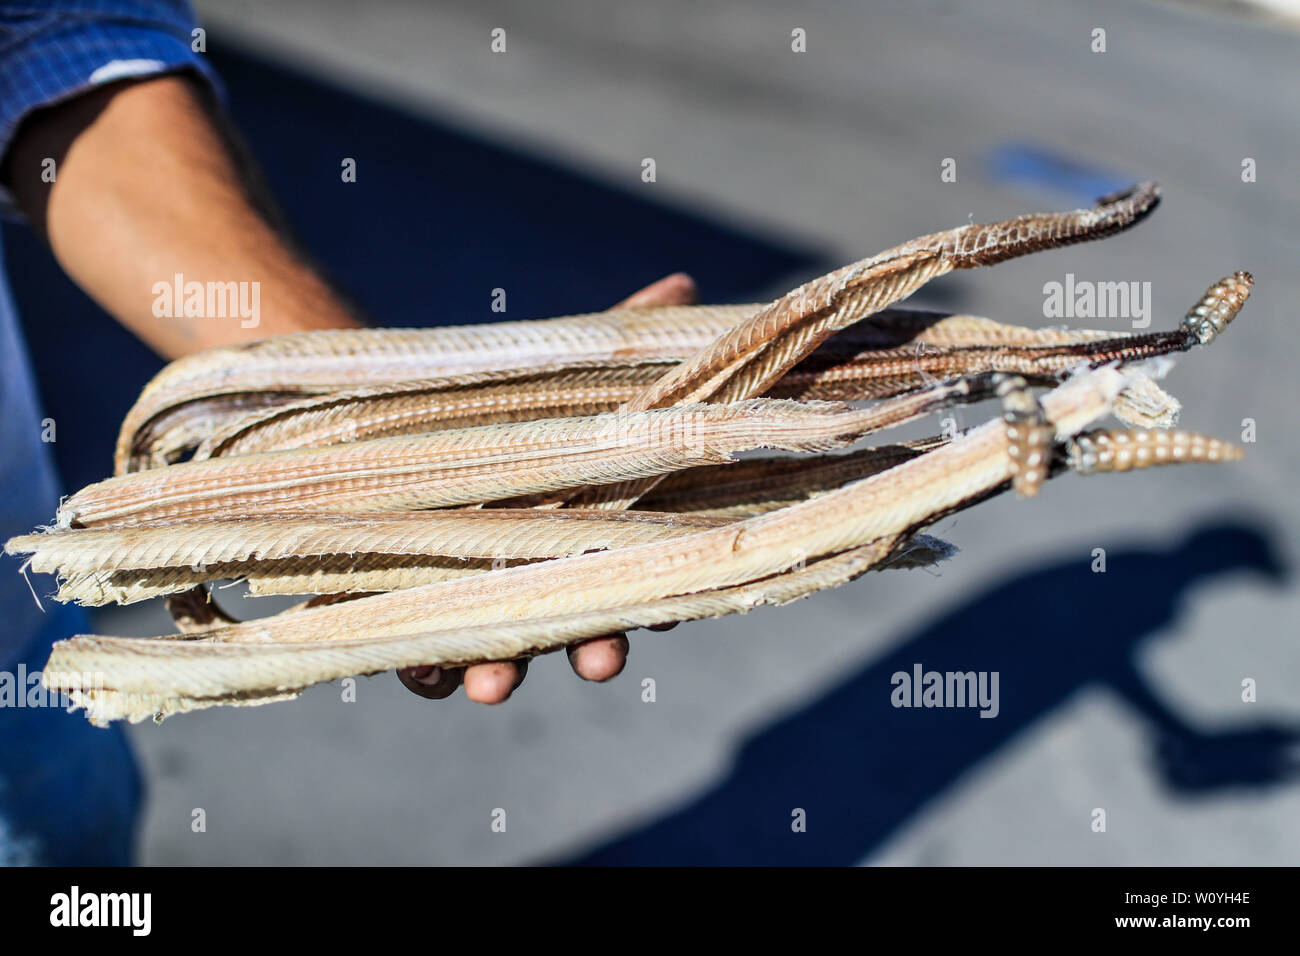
{"points": [[152, 181], [599, 659]]}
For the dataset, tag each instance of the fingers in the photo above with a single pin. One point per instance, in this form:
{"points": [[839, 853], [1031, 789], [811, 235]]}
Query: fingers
{"points": [[485, 683], [495, 682], [433, 683], [675, 289], [599, 659]]}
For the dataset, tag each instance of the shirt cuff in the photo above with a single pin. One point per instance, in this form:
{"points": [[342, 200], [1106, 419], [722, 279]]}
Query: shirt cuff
{"points": [[61, 64]]}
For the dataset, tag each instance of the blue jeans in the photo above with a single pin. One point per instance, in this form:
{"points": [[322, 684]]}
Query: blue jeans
{"points": [[69, 792]]}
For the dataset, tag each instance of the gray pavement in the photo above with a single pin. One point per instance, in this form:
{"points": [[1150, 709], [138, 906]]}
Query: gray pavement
{"points": [[839, 148]]}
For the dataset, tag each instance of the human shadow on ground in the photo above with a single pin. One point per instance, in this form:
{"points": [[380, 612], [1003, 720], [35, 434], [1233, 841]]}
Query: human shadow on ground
{"points": [[861, 768]]}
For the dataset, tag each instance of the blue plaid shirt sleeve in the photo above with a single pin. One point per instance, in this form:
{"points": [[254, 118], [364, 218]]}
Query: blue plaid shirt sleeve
{"points": [[58, 49]]}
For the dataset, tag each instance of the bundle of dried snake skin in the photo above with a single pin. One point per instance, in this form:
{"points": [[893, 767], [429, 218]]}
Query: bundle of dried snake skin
{"points": [[492, 492]]}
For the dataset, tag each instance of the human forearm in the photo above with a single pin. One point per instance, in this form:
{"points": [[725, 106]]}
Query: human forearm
{"points": [[150, 186]]}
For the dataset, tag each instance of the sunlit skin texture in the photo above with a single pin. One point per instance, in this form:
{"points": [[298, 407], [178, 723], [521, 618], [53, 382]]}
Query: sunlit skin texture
{"points": [[152, 181]]}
